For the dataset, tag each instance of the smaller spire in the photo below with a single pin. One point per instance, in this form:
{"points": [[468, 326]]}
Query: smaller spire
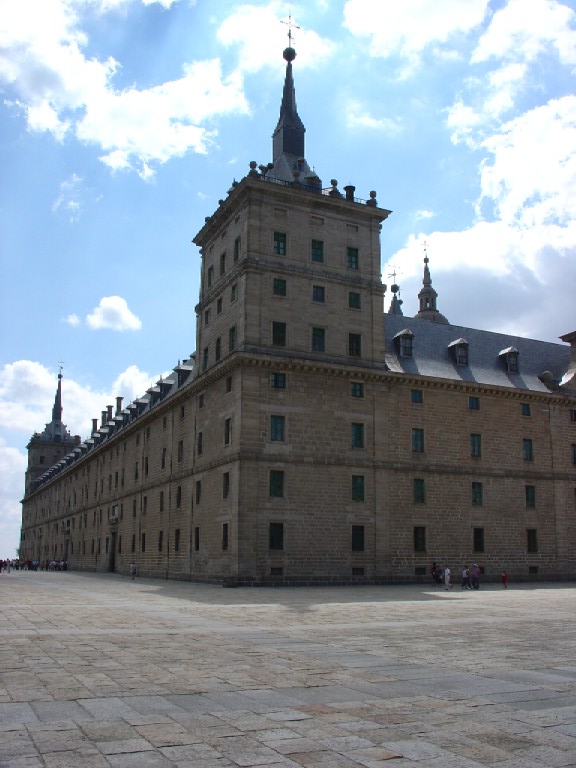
{"points": [[427, 296]]}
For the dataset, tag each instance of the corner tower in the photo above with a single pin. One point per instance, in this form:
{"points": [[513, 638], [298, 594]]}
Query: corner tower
{"points": [[47, 448], [289, 327]]}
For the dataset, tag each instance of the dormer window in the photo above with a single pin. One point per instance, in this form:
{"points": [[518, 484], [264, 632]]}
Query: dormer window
{"points": [[509, 358], [459, 350], [404, 343]]}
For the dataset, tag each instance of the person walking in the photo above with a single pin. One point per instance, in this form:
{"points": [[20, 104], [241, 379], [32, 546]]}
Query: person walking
{"points": [[447, 584], [475, 576], [132, 570], [465, 578], [504, 579]]}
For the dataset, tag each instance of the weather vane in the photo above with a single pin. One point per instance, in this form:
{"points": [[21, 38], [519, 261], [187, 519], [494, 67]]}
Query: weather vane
{"points": [[61, 364], [393, 274], [426, 259], [290, 24]]}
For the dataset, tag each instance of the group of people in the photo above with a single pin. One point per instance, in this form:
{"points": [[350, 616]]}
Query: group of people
{"points": [[33, 565], [441, 574]]}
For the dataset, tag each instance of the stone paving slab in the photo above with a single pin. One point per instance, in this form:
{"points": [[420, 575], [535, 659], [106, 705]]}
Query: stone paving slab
{"points": [[99, 671]]}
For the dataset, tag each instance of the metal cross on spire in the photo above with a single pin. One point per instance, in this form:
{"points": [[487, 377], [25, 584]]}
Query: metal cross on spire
{"points": [[290, 24]]}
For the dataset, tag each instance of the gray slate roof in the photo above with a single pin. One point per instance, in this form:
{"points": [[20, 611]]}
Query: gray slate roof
{"points": [[432, 355]]}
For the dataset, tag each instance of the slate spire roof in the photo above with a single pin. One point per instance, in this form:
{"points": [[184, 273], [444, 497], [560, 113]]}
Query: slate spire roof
{"points": [[288, 154], [427, 298]]}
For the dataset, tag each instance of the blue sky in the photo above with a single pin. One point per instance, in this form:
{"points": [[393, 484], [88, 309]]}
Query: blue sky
{"points": [[123, 122]]}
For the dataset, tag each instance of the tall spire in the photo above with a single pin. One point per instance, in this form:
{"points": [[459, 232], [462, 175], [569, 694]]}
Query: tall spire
{"points": [[288, 154], [57, 407], [427, 297]]}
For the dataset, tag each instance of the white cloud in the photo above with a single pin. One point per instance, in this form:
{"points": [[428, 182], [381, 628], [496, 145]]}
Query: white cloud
{"points": [[531, 177], [524, 29], [407, 28], [113, 313], [260, 36], [61, 91], [69, 198], [358, 117], [72, 320]]}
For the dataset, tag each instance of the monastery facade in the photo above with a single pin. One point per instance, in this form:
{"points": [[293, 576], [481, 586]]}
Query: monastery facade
{"points": [[313, 439]]}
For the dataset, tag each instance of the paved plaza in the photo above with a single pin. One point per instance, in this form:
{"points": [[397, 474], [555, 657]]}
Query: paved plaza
{"points": [[97, 670]]}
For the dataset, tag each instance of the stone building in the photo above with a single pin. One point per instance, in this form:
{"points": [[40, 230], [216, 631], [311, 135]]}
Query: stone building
{"points": [[313, 439]]}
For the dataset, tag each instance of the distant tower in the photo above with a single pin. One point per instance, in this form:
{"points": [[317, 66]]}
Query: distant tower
{"points": [[47, 448], [427, 298]]}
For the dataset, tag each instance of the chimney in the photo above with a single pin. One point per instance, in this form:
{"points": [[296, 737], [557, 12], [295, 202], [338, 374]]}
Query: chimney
{"points": [[104, 414], [110, 408], [94, 426], [350, 192], [119, 405]]}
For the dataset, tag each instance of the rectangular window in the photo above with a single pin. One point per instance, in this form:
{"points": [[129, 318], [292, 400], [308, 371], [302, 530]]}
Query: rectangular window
{"points": [[207, 317], [417, 396], [573, 414], [473, 403], [143, 543], [205, 358], [279, 286], [417, 440], [233, 292], [357, 487], [406, 346], [224, 536], [357, 538], [144, 505], [419, 538], [219, 306], [276, 536], [201, 400], [477, 494], [527, 449], [163, 461], [177, 540], [223, 263], [478, 542], [530, 496], [318, 339], [218, 349], [160, 540], [178, 497], [357, 435], [277, 428], [355, 344], [319, 294], [180, 451], [276, 486], [228, 384], [278, 380], [317, 250], [354, 300], [278, 334], [532, 540], [161, 502], [227, 431], [196, 539], [476, 445], [198, 487], [525, 409], [356, 389], [199, 446], [226, 485], [352, 259], [236, 249], [461, 354], [573, 449], [280, 243], [210, 276], [232, 338], [418, 491]]}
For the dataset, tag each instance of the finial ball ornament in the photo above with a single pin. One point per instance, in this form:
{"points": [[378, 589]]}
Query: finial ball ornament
{"points": [[289, 54]]}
